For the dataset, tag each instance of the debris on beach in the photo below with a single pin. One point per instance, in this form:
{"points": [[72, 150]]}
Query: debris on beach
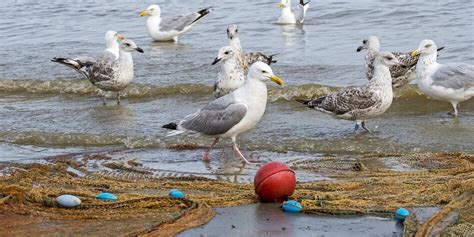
{"points": [[27, 196]]}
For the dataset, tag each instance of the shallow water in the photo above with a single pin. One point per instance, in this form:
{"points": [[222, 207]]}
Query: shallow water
{"points": [[47, 109]]}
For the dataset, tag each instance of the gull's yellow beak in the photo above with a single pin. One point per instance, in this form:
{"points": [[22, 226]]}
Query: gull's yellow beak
{"points": [[144, 13], [277, 80], [415, 53], [281, 5], [120, 37]]}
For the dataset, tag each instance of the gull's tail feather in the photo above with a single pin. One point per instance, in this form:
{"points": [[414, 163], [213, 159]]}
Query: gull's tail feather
{"points": [[312, 103], [172, 126], [270, 58], [302, 3], [202, 13], [304, 102], [68, 62]]}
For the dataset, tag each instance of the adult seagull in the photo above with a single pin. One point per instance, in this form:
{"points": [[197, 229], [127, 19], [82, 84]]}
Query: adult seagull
{"points": [[446, 82], [291, 15], [168, 29], [232, 114]]}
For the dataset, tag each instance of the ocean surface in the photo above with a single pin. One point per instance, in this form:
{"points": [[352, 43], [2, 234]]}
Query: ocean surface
{"points": [[47, 109]]}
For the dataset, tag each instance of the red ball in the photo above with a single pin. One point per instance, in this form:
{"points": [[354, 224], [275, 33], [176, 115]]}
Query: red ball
{"points": [[274, 182]]}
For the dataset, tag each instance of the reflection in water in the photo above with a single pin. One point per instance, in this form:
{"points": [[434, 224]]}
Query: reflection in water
{"points": [[293, 34], [229, 165], [111, 116]]}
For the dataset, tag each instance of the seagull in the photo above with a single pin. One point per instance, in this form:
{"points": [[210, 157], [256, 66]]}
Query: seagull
{"points": [[245, 59], [231, 76], [168, 29], [111, 43], [402, 74], [291, 15], [446, 82], [364, 102], [106, 72], [232, 114]]}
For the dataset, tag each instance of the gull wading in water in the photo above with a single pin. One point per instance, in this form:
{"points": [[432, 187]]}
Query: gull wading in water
{"points": [[168, 29], [245, 60], [231, 76], [291, 15], [111, 46], [232, 114], [364, 102], [106, 72], [446, 82], [402, 73]]}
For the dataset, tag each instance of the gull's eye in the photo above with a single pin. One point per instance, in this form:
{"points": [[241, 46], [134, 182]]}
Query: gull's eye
{"points": [[428, 45], [364, 41], [127, 44], [236, 30], [263, 71], [226, 52], [389, 58]]}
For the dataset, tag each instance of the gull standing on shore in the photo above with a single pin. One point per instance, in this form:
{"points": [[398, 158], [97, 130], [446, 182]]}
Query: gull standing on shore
{"points": [[446, 82], [232, 114], [231, 76], [364, 102], [245, 60], [107, 72], [291, 15], [402, 73], [168, 29]]}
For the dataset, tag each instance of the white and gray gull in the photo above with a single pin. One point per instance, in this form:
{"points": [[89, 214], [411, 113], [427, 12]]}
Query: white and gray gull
{"points": [[293, 15], [111, 46], [231, 76], [105, 71], [402, 73], [111, 42], [245, 60], [168, 29], [232, 114], [363, 102], [446, 82]]}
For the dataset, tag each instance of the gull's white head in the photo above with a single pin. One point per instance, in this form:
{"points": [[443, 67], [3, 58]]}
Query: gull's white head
{"points": [[387, 59], [232, 31], [111, 38], [152, 10], [284, 4], [130, 46], [426, 47], [262, 72], [370, 43], [224, 53]]}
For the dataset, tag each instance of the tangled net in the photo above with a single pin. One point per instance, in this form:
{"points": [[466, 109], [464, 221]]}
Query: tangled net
{"points": [[356, 186]]}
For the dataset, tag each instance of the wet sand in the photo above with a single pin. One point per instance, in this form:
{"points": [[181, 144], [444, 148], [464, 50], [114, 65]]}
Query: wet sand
{"points": [[267, 219]]}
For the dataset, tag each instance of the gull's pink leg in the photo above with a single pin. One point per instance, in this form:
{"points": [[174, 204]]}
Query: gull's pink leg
{"points": [[237, 151], [206, 158]]}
